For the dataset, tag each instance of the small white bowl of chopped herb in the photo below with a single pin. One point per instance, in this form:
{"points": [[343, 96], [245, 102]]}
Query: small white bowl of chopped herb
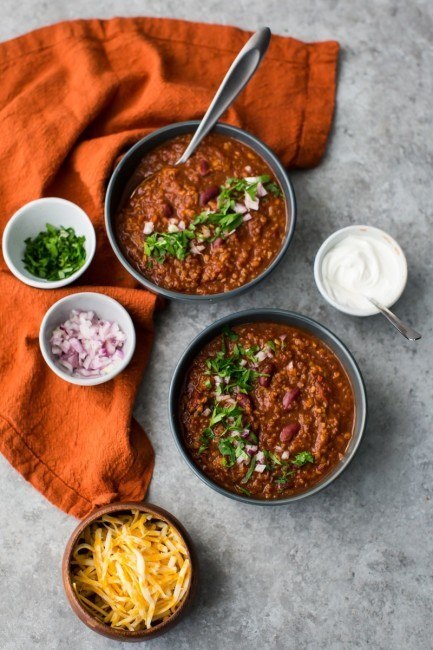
{"points": [[87, 338], [49, 243]]}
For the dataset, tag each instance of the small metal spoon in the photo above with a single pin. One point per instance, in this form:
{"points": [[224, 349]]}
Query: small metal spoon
{"points": [[406, 330], [239, 74]]}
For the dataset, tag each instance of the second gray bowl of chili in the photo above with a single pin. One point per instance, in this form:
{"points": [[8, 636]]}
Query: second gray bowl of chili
{"points": [[267, 406], [206, 230]]}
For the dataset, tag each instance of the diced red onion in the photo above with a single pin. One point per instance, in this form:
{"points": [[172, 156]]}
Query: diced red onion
{"points": [[172, 227], [248, 169], [251, 449], [260, 468], [261, 356], [252, 179], [206, 412], [240, 208], [181, 225], [247, 217], [260, 457], [196, 249], [149, 227], [251, 204], [86, 345], [245, 433], [261, 190], [285, 455]]}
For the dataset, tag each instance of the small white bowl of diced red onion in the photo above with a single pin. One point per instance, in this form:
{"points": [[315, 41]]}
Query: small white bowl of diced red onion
{"points": [[87, 338]]}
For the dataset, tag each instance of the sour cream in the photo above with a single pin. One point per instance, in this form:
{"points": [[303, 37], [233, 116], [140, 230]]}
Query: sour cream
{"points": [[358, 263]]}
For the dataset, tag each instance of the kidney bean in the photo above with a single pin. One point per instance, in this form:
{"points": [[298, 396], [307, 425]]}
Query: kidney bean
{"points": [[203, 167], [167, 210], [289, 431], [208, 194], [290, 397], [244, 401], [269, 370]]}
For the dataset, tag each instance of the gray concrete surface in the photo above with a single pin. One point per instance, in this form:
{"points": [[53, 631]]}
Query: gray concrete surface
{"points": [[352, 566]]}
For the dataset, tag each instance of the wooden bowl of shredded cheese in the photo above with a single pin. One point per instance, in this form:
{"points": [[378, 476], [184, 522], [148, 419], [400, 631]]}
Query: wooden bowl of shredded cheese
{"points": [[129, 571]]}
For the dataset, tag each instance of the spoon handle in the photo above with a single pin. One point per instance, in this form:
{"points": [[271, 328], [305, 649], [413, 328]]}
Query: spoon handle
{"points": [[406, 330], [240, 72]]}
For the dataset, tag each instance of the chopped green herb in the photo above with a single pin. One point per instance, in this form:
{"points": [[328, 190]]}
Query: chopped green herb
{"points": [[250, 470], [227, 448], [205, 439], [175, 244], [285, 476], [230, 333], [271, 345], [223, 220], [55, 253], [244, 490], [208, 383], [303, 458]]}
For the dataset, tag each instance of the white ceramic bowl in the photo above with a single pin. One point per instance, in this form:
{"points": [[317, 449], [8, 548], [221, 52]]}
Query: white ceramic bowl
{"points": [[29, 221], [104, 307], [369, 231]]}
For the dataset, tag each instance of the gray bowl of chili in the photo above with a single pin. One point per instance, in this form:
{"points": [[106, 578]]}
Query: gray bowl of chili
{"points": [[280, 317], [122, 184]]}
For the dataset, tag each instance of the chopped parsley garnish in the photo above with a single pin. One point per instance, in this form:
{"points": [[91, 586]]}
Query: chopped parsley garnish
{"points": [[230, 375], [231, 366], [303, 458], [285, 476], [205, 439], [223, 220], [244, 490], [175, 244], [55, 253], [250, 470]]}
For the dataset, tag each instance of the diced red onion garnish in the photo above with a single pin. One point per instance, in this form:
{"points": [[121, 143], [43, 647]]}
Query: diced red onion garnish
{"points": [[206, 412], [226, 380], [285, 455], [240, 208], [149, 227], [86, 345], [172, 227], [248, 169], [283, 337], [251, 449], [261, 190], [261, 356], [247, 217], [217, 379], [173, 220], [260, 457], [196, 249], [181, 225], [243, 362], [239, 460], [260, 468], [252, 179], [245, 433], [290, 365], [251, 204]]}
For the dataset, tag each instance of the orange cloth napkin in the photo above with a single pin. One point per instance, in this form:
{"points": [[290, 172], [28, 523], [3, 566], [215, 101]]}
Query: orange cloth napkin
{"points": [[73, 97]]}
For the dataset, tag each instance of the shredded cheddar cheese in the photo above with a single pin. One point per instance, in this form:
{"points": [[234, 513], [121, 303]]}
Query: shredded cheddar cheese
{"points": [[130, 570]]}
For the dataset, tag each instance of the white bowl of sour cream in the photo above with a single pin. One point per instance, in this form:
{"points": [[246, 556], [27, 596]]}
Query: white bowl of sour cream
{"points": [[357, 263]]}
